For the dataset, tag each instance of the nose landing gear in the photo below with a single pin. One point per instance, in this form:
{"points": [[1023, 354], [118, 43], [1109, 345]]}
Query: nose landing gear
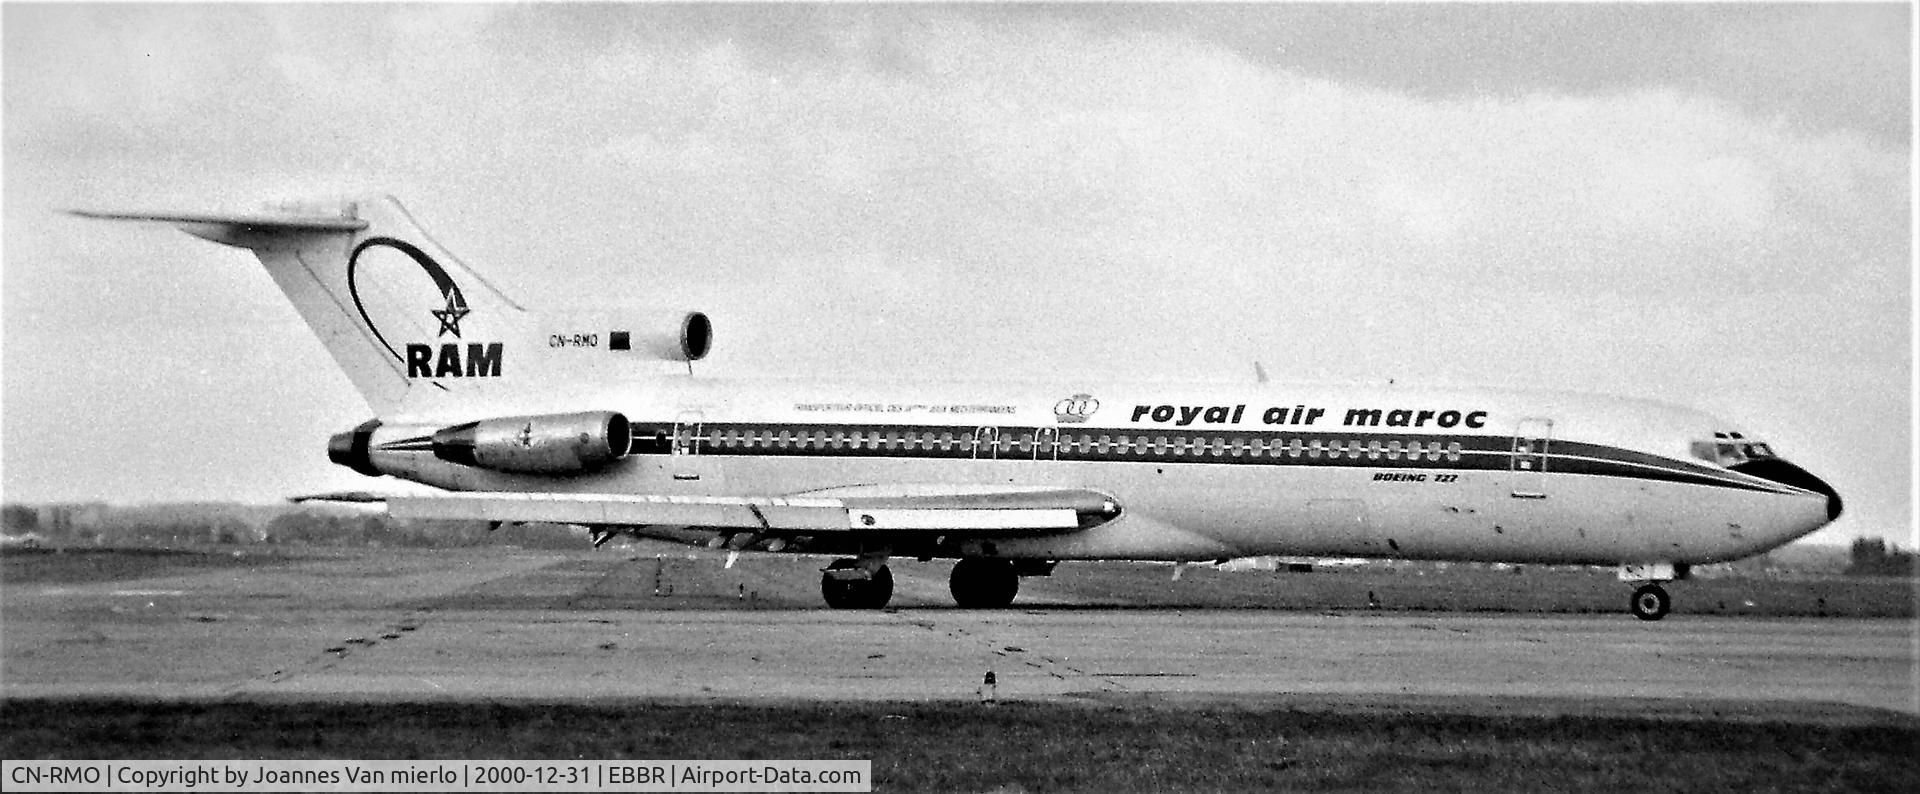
{"points": [[1650, 601]]}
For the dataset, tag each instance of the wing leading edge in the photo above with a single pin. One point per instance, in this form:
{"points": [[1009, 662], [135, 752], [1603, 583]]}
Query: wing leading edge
{"points": [[973, 513]]}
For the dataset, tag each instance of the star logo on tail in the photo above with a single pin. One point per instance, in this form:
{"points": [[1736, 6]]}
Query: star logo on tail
{"points": [[451, 316]]}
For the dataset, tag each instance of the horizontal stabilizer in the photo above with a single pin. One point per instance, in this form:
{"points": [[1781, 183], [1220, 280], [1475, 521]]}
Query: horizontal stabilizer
{"points": [[260, 222]]}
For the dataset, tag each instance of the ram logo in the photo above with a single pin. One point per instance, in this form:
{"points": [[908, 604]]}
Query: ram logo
{"points": [[411, 295]]}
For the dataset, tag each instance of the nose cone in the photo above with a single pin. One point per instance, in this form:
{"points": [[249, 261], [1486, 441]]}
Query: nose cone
{"points": [[1786, 473]]}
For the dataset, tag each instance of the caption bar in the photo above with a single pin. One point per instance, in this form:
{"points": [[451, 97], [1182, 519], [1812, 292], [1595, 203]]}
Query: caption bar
{"points": [[437, 775]]}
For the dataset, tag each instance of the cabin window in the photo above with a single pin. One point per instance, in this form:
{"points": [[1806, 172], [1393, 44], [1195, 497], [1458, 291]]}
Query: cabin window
{"points": [[1453, 452], [1373, 450]]}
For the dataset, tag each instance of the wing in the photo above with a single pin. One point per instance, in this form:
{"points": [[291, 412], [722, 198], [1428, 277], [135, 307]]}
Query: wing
{"points": [[343, 497], [972, 512]]}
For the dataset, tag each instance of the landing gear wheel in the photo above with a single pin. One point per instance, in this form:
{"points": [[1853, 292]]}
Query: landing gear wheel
{"points": [[983, 583], [872, 593], [1651, 602]]}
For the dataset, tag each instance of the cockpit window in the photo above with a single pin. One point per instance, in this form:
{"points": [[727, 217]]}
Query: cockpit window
{"points": [[1731, 449]]}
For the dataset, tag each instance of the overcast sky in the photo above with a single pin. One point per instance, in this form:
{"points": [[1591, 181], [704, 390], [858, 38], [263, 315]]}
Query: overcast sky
{"points": [[1702, 204]]}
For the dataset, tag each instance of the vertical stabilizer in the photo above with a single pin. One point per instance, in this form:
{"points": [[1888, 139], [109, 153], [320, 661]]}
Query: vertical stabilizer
{"points": [[395, 309]]}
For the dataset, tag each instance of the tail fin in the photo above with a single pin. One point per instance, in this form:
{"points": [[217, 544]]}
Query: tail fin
{"points": [[394, 308]]}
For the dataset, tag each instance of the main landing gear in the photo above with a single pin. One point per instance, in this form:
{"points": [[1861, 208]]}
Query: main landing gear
{"points": [[983, 583], [853, 583], [1651, 602], [976, 583]]}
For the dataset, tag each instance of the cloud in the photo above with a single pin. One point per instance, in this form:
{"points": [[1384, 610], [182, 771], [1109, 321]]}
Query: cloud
{"points": [[1036, 192]]}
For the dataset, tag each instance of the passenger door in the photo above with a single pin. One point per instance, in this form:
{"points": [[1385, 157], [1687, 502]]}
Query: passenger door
{"points": [[1529, 459]]}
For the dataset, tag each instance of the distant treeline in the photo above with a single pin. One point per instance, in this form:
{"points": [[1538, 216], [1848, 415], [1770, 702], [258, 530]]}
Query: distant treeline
{"points": [[1876, 557], [298, 525]]}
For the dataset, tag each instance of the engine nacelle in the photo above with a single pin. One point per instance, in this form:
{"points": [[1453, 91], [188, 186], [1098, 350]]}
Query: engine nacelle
{"points": [[545, 444], [689, 340], [637, 333]]}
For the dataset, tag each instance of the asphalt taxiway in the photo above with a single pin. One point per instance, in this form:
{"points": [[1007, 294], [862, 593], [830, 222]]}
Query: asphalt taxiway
{"points": [[562, 626]]}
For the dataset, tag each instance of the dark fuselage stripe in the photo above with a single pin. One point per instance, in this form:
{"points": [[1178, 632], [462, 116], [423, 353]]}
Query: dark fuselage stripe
{"points": [[1167, 446]]}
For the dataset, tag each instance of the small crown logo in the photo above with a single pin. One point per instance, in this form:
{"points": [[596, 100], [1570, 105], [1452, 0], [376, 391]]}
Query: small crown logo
{"points": [[1075, 409]]}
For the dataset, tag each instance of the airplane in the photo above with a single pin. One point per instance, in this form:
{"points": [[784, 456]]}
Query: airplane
{"points": [[597, 419]]}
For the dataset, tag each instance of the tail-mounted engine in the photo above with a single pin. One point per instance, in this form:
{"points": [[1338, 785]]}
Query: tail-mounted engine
{"points": [[646, 335], [551, 444]]}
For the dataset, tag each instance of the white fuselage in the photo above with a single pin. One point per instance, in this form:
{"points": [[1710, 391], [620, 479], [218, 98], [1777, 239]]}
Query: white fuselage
{"points": [[1200, 471]]}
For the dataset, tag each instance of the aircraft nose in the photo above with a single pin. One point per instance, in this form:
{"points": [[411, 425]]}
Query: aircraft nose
{"points": [[1786, 473]]}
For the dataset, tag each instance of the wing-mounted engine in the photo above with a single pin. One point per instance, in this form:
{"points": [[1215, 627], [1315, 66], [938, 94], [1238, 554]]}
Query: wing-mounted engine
{"points": [[547, 444]]}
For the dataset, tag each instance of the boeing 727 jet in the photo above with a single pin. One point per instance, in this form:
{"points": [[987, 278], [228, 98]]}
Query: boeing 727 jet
{"points": [[595, 419]]}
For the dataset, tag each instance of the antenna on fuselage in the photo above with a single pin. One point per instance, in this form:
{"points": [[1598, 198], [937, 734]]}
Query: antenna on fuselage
{"points": [[1259, 373]]}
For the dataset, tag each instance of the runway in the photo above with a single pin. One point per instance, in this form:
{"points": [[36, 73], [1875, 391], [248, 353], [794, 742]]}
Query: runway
{"points": [[539, 625]]}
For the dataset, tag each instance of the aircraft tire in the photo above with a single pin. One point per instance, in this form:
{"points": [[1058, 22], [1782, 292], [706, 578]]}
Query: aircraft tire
{"points": [[1651, 602], [983, 583], [871, 593]]}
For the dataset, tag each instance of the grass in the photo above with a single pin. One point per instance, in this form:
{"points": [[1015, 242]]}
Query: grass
{"points": [[110, 564], [1539, 588], [1019, 746], [771, 581]]}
